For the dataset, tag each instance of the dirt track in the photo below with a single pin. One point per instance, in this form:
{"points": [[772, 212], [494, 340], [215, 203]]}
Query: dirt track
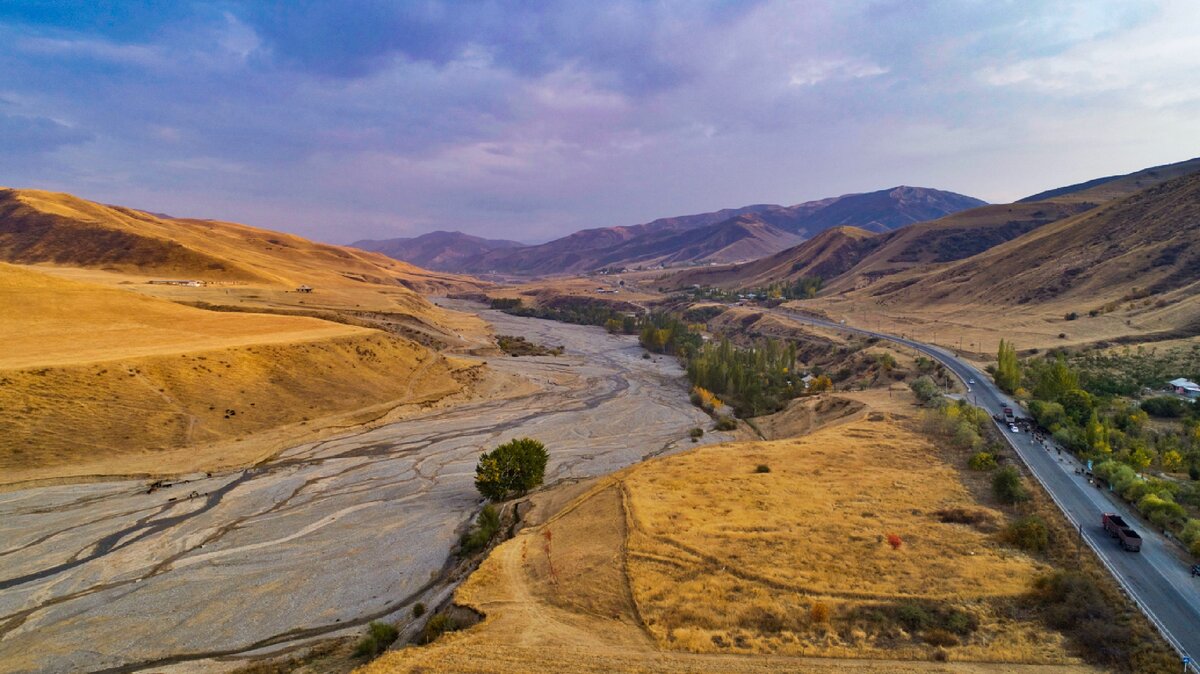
{"points": [[319, 540]]}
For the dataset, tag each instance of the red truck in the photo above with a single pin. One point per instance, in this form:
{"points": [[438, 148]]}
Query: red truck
{"points": [[1116, 527]]}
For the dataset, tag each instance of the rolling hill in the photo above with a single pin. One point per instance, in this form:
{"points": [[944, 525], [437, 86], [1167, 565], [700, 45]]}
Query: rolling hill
{"points": [[720, 236], [435, 250], [45, 227], [1145, 245], [97, 379]]}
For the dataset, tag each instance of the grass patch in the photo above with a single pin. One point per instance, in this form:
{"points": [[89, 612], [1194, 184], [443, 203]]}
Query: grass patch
{"points": [[487, 525]]}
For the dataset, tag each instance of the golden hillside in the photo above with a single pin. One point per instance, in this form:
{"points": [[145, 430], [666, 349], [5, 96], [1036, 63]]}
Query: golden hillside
{"points": [[60, 229], [703, 562], [1146, 246], [827, 255], [100, 380]]}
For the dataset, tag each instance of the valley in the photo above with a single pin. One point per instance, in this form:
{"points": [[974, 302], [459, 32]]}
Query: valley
{"points": [[320, 538]]}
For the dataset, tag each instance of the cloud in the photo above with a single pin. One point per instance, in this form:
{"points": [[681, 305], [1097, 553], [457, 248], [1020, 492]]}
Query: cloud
{"points": [[527, 120], [21, 135]]}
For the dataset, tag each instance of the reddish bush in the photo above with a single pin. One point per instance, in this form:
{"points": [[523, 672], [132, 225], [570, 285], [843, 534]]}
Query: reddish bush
{"points": [[895, 541]]}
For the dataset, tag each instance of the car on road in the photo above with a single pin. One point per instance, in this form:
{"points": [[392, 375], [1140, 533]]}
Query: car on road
{"points": [[970, 381], [1014, 429]]}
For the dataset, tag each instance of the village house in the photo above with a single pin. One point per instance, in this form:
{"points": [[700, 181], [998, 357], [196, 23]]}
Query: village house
{"points": [[1186, 388]]}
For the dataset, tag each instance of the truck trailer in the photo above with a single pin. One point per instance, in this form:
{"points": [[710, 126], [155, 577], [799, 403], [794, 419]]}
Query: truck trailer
{"points": [[1116, 527]]}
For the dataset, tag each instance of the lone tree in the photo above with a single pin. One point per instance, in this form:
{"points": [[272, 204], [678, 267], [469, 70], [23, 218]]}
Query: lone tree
{"points": [[511, 469]]}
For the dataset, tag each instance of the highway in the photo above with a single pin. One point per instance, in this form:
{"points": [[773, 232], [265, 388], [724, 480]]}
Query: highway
{"points": [[1158, 578]]}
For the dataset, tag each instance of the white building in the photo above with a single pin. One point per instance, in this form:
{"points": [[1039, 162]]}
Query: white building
{"points": [[1185, 387]]}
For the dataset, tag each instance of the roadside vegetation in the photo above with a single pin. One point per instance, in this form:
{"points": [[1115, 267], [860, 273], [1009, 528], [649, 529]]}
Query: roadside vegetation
{"points": [[1103, 407], [1077, 598]]}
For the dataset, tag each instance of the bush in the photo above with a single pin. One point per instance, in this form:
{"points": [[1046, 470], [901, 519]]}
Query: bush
{"points": [[379, 637], [485, 529], [1007, 487], [511, 469], [819, 612], [436, 627], [939, 637], [1028, 533], [725, 424], [981, 461], [762, 468], [924, 388], [696, 433], [1165, 407], [418, 610]]}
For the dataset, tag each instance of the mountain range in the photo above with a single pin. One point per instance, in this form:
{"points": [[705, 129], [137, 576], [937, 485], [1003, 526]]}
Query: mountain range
{"points": [[722, 236], [1118, 238]]}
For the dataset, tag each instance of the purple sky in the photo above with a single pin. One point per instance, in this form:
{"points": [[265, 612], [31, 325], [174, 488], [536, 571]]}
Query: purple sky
{"points": [[374, 119]]}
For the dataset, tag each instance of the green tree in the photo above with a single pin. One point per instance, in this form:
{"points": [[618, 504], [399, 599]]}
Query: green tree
{"points": [[511, 469], [1007, 487], [924, 388], [1078, 405], [1096, 435], [1055, 380], [1008, 369]]}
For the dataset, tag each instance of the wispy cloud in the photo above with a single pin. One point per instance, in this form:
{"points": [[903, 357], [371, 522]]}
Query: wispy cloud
{"points": [[525, 120]]}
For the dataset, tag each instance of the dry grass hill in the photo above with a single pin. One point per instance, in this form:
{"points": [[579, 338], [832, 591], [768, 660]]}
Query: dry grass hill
{"points": [[704, 562], [60, 229], [103, 380], [1143, 246]]}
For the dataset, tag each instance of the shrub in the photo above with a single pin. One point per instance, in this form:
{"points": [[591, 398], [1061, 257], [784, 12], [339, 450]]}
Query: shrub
{"points": [[436, 627], [913, 616], [924, 388], [819, 612], [981, 461], [418, 610], [511, 469], [939, 637], [480, 535], [725, 424], [1165, 407], [762, 468], [696, 433], [379, 637], [1071, 315], [1028, 533], [1007, 487], [895, 541]]}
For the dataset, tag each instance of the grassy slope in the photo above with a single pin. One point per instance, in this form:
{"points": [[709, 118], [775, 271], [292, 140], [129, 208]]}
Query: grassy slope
{"points": [[49, 227], [105, 381], [694, 562]]}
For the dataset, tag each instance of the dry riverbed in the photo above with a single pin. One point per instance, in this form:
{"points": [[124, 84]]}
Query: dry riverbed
{"points": [[319, 540]]}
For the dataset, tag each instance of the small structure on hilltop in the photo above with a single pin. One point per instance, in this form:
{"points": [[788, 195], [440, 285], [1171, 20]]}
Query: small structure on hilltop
{"points": [[304, 289], [1186, 388], [191, 283]]}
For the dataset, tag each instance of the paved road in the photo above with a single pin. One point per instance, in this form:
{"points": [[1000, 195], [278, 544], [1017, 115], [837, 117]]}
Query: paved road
{"points": [[106, 577], [1158, 577]]}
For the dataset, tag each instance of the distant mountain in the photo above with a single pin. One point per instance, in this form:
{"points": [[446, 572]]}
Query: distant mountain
{"points": [[720, 236], [851, 259], [436, 250]]}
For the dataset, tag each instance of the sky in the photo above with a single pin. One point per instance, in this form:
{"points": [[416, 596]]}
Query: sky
{"points": [[529, 120]]}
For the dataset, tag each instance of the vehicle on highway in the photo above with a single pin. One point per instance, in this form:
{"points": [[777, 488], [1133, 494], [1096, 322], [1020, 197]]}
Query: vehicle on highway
{"points": [[1014, 429], [970, 381], [1116, 527]]}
